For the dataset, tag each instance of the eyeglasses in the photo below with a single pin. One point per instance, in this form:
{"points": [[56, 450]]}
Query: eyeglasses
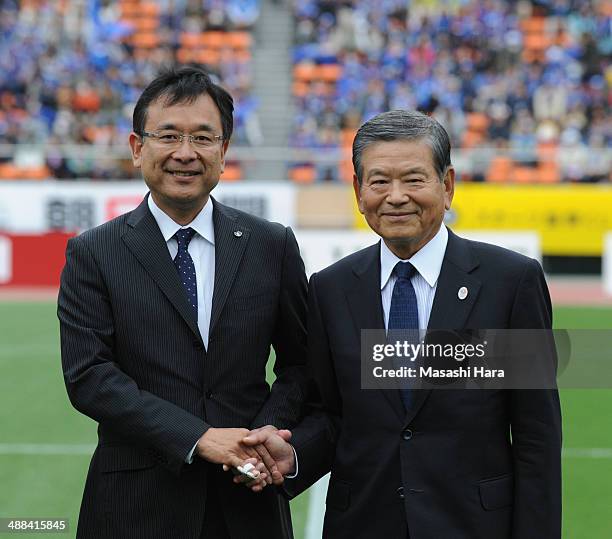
{"points": [[172, 139]]}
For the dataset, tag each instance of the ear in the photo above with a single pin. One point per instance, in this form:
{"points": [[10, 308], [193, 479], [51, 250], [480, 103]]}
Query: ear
{"points": [[357, 189], [136, 147], [224, 148], [449, 187]]}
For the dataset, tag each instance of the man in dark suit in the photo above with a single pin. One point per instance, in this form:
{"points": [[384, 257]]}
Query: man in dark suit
{"points": [[422, 463], [167, 315]]}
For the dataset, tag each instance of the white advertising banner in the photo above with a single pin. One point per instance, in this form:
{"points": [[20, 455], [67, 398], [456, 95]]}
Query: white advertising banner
{"points": [[607, 264], [321, 248], [526, 243], [6, 259], [38, 207]]}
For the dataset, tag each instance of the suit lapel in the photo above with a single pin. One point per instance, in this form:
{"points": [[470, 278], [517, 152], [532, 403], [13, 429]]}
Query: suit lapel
{"points": [[366, 308], [448, 310], [230, 243], [144, 239]]}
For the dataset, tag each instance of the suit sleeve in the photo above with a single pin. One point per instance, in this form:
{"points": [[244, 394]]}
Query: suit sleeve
{"points": [[284, 406], [314, 439], [96, 385], [536, 427]]}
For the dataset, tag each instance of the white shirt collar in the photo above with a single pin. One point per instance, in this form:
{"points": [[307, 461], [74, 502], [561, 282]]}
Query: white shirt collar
{"points": [[202, 224], [427, 260]]}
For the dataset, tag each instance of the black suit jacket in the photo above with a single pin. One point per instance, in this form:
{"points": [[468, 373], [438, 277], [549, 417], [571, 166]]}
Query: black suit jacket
{"points": [[134, 361], [447, 467]]}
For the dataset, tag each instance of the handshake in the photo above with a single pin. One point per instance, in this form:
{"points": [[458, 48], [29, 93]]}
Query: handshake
{"points": [[266, 450]]}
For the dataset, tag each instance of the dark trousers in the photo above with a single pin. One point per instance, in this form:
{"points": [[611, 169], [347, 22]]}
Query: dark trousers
{"points": [[214, 522]]}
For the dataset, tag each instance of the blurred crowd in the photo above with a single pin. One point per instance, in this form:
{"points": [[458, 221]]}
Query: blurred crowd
{"points": [[518, 84], [72, 70], [529, 80]]}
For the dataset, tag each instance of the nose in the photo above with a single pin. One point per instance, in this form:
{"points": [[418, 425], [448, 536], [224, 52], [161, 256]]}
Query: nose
{"points": [[396, 194], [185, 151]]}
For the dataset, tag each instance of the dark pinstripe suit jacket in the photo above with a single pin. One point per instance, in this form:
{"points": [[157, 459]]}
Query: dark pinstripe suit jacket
{"points": [[134, 361], [458, 464]]}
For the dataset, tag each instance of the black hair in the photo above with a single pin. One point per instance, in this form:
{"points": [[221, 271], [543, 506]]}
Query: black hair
{"points": [[184, 85]]}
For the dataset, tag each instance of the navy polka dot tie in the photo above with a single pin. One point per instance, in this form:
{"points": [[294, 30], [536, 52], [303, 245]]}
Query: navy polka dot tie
{"points": [[185, 266], [404, 314]]}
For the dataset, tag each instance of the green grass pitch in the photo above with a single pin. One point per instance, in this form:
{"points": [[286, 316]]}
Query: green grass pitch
{"points": [[34, 411]]}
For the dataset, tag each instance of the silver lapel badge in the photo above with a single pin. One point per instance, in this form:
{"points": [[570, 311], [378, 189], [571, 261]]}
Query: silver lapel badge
{"points": [[462, 293]]}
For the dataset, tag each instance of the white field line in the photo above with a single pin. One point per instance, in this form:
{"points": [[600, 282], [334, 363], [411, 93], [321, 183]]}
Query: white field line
{"points": [[29, 351], [87, 449], [46, 449], [587, 452], [316, 504]]}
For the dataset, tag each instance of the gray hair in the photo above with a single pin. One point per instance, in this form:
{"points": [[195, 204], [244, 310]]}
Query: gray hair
{"points": [[403, 125]]}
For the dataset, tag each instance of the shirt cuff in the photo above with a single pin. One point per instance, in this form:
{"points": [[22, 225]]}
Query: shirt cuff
{"points": [[294, 474], [189, 458]]}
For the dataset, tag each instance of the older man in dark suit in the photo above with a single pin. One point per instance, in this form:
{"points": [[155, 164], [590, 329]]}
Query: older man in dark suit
{"points": [[422, 463], [167, 315]]}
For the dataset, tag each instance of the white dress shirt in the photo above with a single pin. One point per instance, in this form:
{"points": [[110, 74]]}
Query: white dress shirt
{"points": [[202, 251], [427, 262]]}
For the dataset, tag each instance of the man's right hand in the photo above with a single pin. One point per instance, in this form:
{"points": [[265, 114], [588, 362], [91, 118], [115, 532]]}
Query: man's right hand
{"points": [[224, 446], [278, 455]]}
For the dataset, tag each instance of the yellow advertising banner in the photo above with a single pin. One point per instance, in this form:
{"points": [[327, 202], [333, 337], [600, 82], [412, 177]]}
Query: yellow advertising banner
{"points": [[571, 219]]}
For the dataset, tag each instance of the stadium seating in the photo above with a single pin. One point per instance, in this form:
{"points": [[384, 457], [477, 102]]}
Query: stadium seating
{"points": [[475, 66], [78, 85]]}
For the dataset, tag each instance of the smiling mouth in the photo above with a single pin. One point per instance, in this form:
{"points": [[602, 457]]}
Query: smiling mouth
{"points": [[399, 215], [183, 173]]}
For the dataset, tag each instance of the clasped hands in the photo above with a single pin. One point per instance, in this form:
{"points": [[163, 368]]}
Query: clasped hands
{"points": [[266, 448]]}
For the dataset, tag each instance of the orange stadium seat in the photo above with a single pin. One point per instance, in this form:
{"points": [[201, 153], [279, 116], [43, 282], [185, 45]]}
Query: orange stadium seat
{"points": [[477, 121], [190, 40], [303, 174], [41, 172], [524, 175], [548, 172], [346, 170], [146, 24], [130, 9], [500, 169], [145, 40], [300, 88], [209, 57], [328, 72], [86, 101], [213, 39], [471, 138], [239, 40], [304, 72], [149, 8], [185, 55], [537, 42], [532, 25], [8, 171], [232, 173]]}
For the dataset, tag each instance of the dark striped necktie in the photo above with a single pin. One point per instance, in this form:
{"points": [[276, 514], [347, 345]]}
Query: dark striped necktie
{"points": [[185, 266], [403, 314]]}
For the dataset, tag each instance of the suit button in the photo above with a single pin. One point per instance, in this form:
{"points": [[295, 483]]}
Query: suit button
{"points": [[400, 493], [198, 345], [407, 434], [209, 394]]}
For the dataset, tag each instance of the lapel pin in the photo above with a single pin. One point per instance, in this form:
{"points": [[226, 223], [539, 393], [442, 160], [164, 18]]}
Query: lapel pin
{"points": [[462, 293], [237, 233]]}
